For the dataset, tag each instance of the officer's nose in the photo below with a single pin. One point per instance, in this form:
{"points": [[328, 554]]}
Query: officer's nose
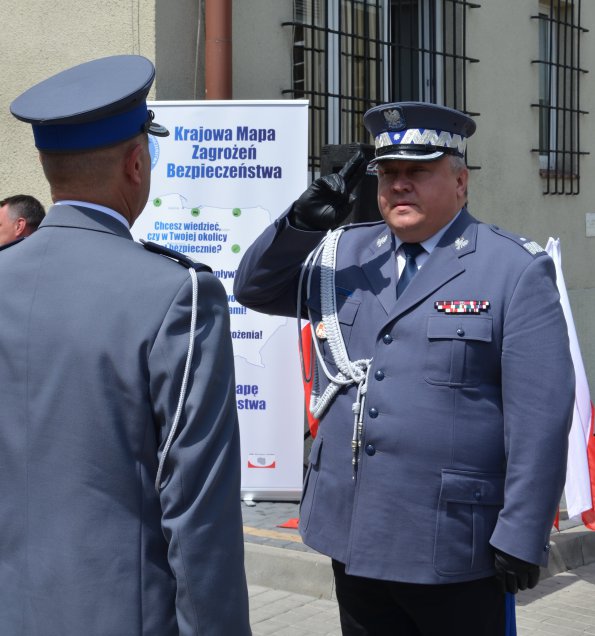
{"points": [[401, 183]]}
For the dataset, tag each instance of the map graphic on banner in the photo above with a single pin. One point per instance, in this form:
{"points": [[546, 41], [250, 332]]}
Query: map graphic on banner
{"points": [[225, 173], [217, 237]]}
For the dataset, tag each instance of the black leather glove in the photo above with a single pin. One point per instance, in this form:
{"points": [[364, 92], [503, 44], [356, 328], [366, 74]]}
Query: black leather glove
{"points": [[515, 574], [328, 200]]}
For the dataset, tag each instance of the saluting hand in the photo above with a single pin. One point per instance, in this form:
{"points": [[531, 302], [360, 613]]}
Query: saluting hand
{"points": [[328, 200]]}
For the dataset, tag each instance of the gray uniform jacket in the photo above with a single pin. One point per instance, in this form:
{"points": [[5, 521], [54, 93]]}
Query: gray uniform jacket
{"points": [[94, 333], [466, 415]]}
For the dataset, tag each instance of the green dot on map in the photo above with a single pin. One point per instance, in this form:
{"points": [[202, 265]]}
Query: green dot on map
{"points": [[235, 248], [195, 211], [236, 212], [157, 202]]}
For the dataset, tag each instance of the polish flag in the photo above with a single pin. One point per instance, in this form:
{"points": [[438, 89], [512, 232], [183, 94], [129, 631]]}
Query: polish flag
{"points": [[308, 365], [580, 472]]}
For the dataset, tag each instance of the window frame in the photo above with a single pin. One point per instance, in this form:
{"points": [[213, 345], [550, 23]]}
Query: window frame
{"points": [[559, 107], [333, 62]]}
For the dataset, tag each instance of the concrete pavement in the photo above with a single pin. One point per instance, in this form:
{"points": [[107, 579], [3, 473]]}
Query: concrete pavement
{"points": [[281, 613], [292, 594], [561, 605]]}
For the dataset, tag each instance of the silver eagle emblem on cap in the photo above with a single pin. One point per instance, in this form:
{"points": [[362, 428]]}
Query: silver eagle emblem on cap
{"points": [[394, 119]]}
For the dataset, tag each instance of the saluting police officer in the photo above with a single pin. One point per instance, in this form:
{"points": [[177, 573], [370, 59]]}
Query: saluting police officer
{"points": [[444, 385], [119, 446]]}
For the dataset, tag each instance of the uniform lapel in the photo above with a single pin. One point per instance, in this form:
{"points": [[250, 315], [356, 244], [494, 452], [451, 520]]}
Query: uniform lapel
{"points": [[379, 266], [443, 265]]}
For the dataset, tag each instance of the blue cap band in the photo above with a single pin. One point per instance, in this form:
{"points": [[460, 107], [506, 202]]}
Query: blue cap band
{"points": [[93, 134]]}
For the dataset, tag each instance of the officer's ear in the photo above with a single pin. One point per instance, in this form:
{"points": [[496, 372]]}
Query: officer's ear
{"points": [[462, 182], [133, 163], [20, 227]]}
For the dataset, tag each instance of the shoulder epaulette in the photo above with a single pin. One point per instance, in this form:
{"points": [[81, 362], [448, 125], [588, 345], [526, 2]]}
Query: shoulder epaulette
{"points": [[175, 256], [531, 246]]}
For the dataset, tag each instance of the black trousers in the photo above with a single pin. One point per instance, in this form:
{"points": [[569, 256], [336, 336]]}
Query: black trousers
{"points": [[370, 607]]}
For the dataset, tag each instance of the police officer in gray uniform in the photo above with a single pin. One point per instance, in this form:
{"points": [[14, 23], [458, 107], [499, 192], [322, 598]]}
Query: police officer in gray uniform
{"points": [[119, 446], [444, 385]]}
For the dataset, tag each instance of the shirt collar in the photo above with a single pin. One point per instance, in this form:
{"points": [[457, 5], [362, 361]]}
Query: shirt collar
{"points": [[430, 243], [99, 208]]}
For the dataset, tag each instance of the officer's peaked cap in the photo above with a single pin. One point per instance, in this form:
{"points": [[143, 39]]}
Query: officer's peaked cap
{"points": [[417, 131], [92, 105]]}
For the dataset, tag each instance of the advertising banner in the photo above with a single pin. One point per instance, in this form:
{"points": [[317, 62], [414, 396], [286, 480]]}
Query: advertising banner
{"points": [[227, 170]]}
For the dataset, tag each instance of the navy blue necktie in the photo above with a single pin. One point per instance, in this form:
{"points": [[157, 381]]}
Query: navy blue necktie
{"points": [[412, 251]]}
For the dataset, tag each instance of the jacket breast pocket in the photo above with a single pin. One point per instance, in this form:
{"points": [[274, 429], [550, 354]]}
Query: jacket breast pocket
{"points": [[459, 350], [468, 510]]}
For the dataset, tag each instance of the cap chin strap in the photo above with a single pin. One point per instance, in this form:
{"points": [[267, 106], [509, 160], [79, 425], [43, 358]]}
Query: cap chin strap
{"points": [[349, 372], [184, 387], [416, 150]]}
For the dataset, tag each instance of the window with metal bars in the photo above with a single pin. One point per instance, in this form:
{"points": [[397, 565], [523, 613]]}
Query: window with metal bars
{"points": [[349, 55], [560, 72]]}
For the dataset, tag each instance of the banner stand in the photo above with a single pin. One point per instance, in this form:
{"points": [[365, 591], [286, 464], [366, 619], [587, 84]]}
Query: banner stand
{"points": [[225, 173]]}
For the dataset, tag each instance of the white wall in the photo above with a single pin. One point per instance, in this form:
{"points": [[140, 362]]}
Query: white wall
{"points": [[261, 49], [40, 38], [178, 60]]}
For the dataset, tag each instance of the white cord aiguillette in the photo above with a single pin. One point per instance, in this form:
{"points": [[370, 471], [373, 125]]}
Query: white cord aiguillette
{"points": [[187, 369], [348, 372]]}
